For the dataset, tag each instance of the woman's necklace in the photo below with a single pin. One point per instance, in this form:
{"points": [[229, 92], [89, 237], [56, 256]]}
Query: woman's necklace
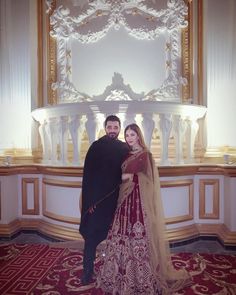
{"points": [[136, 149]]}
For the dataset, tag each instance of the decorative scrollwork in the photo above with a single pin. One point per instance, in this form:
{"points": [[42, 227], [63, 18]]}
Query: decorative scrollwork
{"points": [[49, 4], [114, 13]]}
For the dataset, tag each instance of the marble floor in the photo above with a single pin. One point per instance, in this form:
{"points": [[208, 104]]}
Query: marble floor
{"points": [[197, 245]]}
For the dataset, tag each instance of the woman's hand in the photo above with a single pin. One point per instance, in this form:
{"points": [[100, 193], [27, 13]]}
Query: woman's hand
{"points": [[127, 177]]}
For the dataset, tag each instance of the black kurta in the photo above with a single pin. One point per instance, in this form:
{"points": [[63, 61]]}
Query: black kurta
{"points": [[102, 175]]}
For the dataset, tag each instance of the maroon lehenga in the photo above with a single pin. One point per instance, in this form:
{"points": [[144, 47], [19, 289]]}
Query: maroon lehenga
{"points": [[127, 260]]}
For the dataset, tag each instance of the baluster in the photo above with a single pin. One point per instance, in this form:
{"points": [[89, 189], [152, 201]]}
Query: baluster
{"points": [[192, 129], [129, 119], [179, 129], [148, 126], [164, 125], [48, 141], [63, 139], [53, 136], [92, 127], [45, 141], [76, 127]]}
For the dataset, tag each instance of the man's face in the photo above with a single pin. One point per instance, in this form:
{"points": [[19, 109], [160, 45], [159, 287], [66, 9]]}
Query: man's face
{"points": [[112, 129]]}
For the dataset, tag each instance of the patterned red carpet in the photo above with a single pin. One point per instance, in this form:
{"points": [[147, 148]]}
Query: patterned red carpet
{"points": [[41, 269]]}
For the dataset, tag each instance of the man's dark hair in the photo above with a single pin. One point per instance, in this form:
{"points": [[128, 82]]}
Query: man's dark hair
{"points": [[112, 118]]}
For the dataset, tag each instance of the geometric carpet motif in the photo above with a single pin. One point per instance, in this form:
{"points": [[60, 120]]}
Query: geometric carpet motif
{"points": [[44, 270]]}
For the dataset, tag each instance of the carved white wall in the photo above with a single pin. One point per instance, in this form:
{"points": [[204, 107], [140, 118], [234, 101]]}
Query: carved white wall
{"points": [[89, 22]]}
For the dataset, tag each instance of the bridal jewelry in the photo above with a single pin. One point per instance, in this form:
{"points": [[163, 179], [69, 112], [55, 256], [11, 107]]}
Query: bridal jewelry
{"points": [[136, 149]]}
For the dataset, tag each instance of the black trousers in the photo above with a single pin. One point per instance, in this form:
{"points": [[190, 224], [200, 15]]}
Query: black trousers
{"points": [[90, 246]]}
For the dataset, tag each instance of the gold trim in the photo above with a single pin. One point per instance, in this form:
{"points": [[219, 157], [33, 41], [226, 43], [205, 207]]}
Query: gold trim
{"points": [[164, 171], [10, 228], [62, 171], [25, 210], [59, 217], [200, 51], [36, 169], [59, 231], [180, 218], [227, 237], [51, 57], [41, 226], [220, 231], [167, 171], [40, 51], [202, 200], [187, 55], [56, 182], [183, 233], [171, 183]]}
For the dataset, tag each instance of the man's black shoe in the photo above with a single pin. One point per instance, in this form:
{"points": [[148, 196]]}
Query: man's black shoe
{"points": [[87, 277]]}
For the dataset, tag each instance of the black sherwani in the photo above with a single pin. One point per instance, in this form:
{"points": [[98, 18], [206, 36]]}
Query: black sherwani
{"points": [[101, 176]]}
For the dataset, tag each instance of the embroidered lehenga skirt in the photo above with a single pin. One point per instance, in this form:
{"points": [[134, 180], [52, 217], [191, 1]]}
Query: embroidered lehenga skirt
{"points": [[125, 268]]}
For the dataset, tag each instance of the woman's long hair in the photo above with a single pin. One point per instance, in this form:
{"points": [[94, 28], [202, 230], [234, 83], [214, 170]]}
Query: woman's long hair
{"points": [[134, 127]]}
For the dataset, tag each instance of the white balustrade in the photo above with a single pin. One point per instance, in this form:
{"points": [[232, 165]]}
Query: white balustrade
{"points": [[57, 122]]}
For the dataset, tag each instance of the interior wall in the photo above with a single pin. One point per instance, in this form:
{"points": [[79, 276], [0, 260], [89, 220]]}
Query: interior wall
{"points": [[18, 72], [220, 75], [15, 79]]}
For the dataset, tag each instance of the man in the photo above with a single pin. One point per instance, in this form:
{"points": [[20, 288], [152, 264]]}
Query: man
{"points": [[100, 190]]}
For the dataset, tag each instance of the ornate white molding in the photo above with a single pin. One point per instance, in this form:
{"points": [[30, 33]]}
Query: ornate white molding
{"points": [[49, 4], [117, 14]]}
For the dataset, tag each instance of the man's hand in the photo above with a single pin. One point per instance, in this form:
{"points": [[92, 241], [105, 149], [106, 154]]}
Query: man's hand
{"points": [[91, 209]]}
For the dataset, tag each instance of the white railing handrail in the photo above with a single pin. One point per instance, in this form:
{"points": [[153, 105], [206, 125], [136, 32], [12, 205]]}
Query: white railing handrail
{"points": [[176, 108]]}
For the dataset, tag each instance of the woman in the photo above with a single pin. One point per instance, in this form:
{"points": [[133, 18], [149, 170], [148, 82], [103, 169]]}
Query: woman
{"points": [[136, 258]]}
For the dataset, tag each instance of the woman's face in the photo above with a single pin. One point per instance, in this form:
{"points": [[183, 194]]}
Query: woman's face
{"points": [[131, 138]]}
